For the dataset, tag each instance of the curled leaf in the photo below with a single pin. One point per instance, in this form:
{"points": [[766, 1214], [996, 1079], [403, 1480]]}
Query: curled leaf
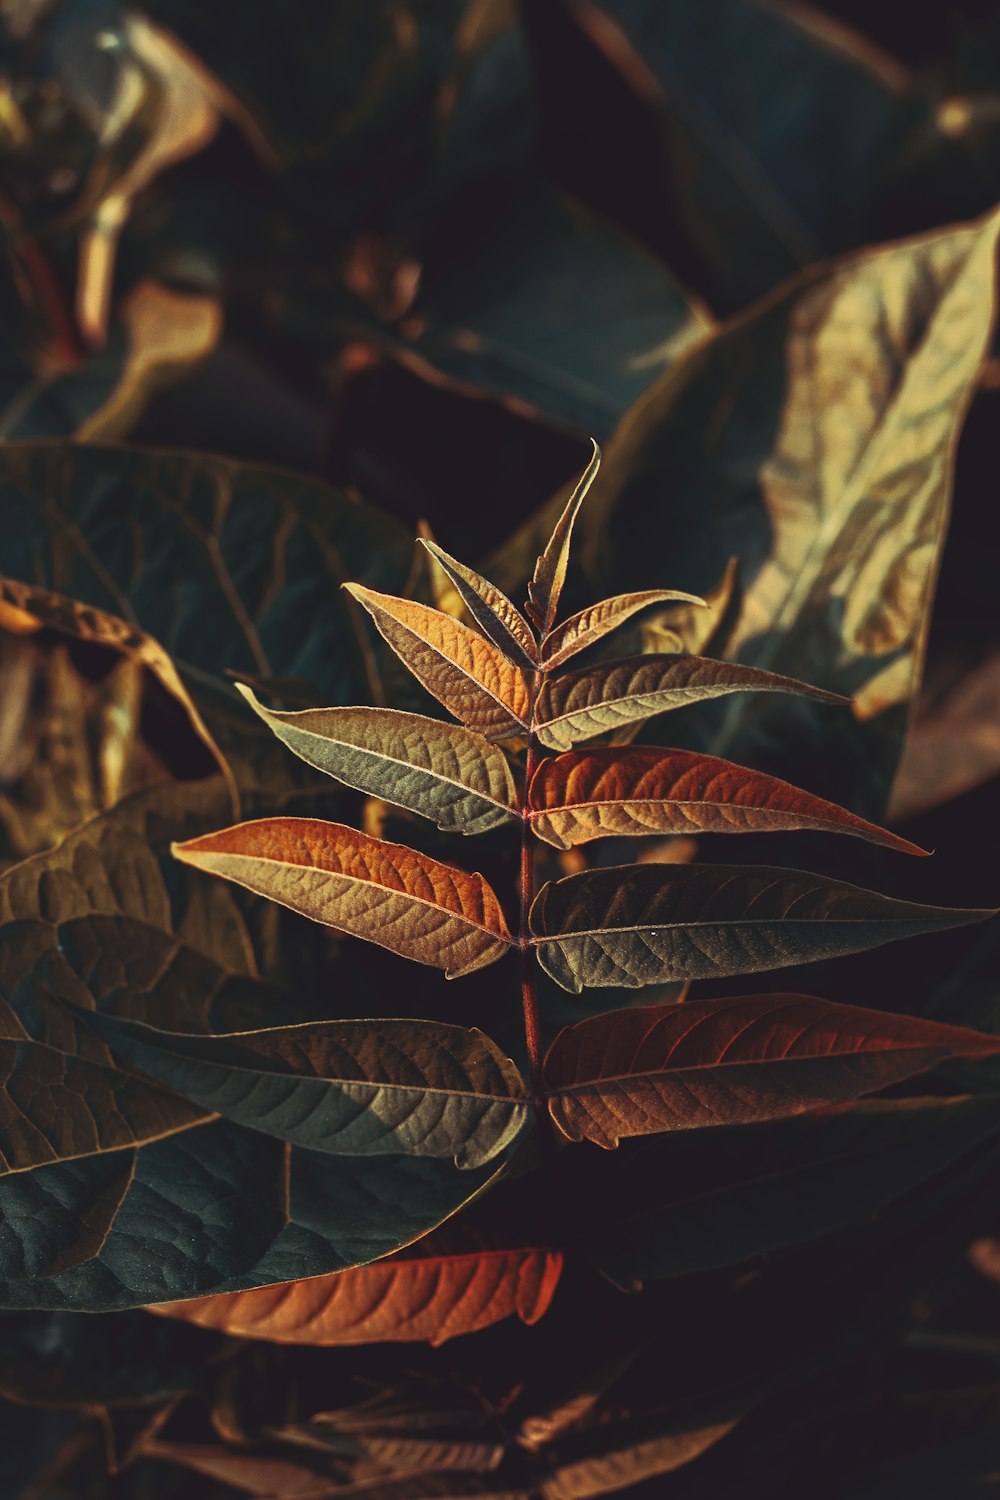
{"points": [[658, 924], [404, 901], [439, 770], [492, 610], [733, 1062], [591, 702], [590, 794], [474, 680], [591, 625], [550, 570]]}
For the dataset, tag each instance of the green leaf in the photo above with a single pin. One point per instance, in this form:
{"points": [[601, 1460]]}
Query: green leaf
{"points": [[404, 901], [654, 924], [435, 769], [734, 1062], [583, 704], [824, 459], [550, 570], [682, 1203], [349, 1088], [492, 611]]}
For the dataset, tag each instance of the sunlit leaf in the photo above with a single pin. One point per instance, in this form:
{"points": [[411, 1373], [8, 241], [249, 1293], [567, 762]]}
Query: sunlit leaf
{"points": [[434, 1292], [589, 794], [549, 576], [439, 770], [731, 1062], [474, 680], [350, 1088], [655, 924], [583, 704], [590, 625], [492, 611], [391, 895]]}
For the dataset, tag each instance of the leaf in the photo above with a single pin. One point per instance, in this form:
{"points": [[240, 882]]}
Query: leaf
{"points": [[734, 1062], [953, 745], [428, 1293], [439, 770], [591, 625], [678, 1204], [637, 1455], [404, 901], [492, 611], [350, 1088], [550, 570], [815, 438], [583, 704], [656, 924], [469, 675], [590, 794]]}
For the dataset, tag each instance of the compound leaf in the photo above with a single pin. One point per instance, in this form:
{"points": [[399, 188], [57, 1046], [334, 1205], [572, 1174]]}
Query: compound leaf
{"points": [[404, 901], [441, 771], [583, 704], [733, 1062], [590, 794], [656, 924]]}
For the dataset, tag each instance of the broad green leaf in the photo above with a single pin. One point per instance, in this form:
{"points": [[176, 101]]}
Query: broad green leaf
{"points": [[655, 924], [391, 895], [350, 1088], [591, 625], [815, 438], [442, 1287], [590, 794], [734, 1062], [474, 680], [439, 770], [550, 570], [583, 704], [681, 1203], [492, 611], [259, 550]]}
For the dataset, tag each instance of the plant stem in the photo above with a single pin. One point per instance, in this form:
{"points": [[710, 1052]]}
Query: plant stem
{"points": [[529, 998]]}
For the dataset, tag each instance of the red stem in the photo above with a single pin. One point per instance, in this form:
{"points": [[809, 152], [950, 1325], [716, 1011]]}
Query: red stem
{"points": [[529, 971]]}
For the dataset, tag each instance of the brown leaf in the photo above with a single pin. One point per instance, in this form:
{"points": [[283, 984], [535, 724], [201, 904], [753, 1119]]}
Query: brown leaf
{"points": [[734, 1061], [591, 625], [404, 901], [469, 675], [590, 794], [492, 610], [550, 570]]}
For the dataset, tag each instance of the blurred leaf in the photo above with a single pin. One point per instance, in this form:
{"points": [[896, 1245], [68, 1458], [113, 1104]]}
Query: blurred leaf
{"points": [[391, 895], [954, 743], [737, 1061], [590, 794], [654, 924], [635, 1456]]}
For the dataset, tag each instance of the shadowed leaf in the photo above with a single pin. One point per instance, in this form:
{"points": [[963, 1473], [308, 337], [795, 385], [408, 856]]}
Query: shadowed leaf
{"points": [[631, 1454], [656, 924], [590, 794], [492, 611], [404, 901], [474, 680], [350, 1088], [591, 702], [734, 1061], [550, 570], [591, 625], [439, 770], [433, 1292]]}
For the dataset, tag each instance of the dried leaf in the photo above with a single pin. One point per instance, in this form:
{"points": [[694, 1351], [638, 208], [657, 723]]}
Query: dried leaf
{"points": [[428, 1293], [590, 794], [583, 704], [347, 1088], [438, 770], [591, 625], [469, 675], [404, 901], [734, 1062], [656, 924], [492, 611], [550, 570]]}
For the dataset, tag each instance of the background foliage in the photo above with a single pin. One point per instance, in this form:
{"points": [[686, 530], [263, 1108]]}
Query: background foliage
{"points": [[283, 285]]}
